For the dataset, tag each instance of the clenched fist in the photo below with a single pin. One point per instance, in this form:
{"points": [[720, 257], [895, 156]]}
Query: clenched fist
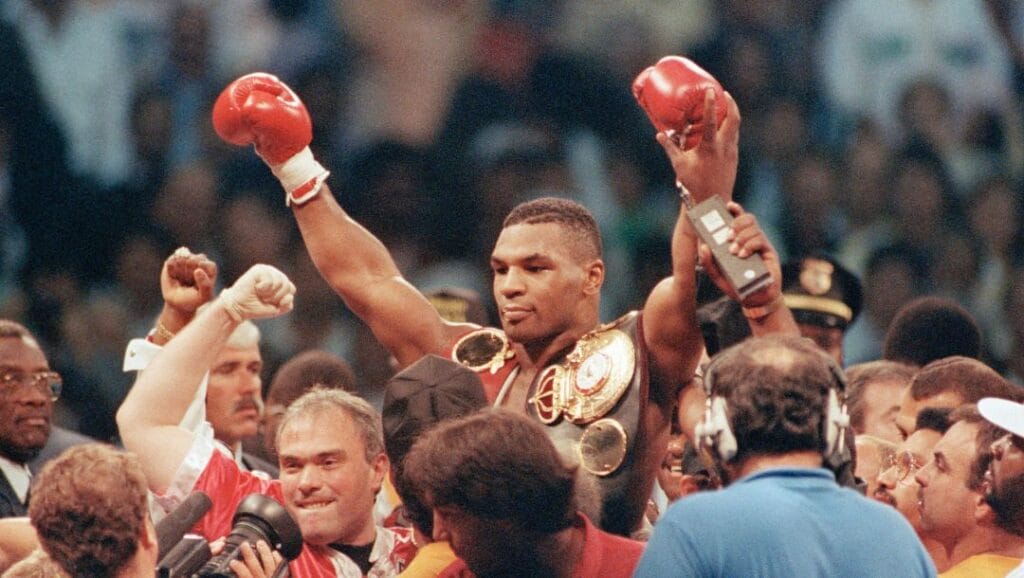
{"points": [[261, 292]]}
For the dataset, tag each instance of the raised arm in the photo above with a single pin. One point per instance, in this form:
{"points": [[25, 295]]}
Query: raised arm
{"points": [[186, 282], [360, 269], [149, 416], [259, 109], [670, 314]]}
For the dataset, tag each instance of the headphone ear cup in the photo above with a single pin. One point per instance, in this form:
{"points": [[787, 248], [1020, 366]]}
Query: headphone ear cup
{"points": [[726, 440], [836, 422], [702, 431], [714, 432]]}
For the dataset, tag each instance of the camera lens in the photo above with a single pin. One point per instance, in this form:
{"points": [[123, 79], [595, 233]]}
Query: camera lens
{"points": [[258, 517]]}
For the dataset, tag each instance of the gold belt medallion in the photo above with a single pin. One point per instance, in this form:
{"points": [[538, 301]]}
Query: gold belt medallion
{"points": [[591, 380], [602, 447]]}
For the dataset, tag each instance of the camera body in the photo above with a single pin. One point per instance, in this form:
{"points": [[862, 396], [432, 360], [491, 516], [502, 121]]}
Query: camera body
{"points": [[185, 558], [257, 517]]}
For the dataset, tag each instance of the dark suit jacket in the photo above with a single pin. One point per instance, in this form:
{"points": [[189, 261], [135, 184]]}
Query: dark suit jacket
{"points": [[60, 439]]}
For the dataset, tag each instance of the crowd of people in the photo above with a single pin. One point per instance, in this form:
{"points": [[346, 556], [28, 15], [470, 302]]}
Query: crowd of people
{"points": [[648, 416], [436, 119]]}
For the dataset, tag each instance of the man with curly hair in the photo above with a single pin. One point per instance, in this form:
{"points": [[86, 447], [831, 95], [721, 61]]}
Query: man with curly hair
{"points": [[89, 509]]}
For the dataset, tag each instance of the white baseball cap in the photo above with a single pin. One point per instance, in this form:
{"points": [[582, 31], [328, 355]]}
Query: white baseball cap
{"points": [[1003, 413]]}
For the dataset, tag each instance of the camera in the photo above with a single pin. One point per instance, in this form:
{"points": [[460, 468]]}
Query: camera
{"points": [[257, 517]]}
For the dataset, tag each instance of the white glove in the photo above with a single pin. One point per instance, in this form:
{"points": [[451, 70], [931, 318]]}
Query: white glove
{"points": [[260, 292]]}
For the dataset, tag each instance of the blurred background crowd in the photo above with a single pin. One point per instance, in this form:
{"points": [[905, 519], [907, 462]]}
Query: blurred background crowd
{"points": [[886, 134]]}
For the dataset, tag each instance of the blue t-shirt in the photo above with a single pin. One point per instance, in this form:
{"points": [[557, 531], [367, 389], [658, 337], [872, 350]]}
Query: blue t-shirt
{"points": [[785, 522]]}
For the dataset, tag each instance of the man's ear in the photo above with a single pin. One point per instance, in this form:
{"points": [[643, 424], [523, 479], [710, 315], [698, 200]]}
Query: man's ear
{"points": [[147, 538], [379, 467], [594, 277], [440, 530], [983, 513]]}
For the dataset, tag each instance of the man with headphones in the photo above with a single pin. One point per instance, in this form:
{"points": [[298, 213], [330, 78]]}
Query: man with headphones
{"points": [[774, 417]]}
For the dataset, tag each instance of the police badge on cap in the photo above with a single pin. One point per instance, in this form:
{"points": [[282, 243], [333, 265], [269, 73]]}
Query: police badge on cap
{"points": [[819, 291]]}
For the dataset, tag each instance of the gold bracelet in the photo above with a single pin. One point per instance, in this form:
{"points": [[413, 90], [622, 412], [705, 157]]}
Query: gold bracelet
{"points": [[162, 332], [757, 313]]}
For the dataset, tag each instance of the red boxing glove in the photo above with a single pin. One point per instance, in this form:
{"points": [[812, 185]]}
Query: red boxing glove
{"points": [[672, 94], [260, 109]]}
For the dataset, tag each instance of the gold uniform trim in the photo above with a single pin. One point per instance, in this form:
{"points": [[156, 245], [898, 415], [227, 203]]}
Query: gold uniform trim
{"points": [[819, 304]]}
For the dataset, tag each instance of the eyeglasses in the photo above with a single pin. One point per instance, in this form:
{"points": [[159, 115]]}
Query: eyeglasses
{"points": [[46, 382], [904, 464]]}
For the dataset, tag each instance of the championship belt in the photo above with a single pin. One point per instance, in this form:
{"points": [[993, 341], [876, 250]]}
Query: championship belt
{"points": [[594, 402], [590, 381]]}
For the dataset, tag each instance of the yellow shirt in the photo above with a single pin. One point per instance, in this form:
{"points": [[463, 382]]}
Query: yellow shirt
{"points": [[982, 566], [430, 560]]}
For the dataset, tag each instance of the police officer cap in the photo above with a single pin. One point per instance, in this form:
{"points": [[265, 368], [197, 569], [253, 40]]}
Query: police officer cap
{"points": [[819, 291]]}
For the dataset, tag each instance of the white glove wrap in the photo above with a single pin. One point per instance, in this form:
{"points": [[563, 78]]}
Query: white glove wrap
{"points": [[301, 176], [260, 293], [231, 305]]}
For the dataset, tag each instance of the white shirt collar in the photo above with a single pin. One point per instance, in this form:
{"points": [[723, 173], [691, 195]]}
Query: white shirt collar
{"points": [[18, 475]]}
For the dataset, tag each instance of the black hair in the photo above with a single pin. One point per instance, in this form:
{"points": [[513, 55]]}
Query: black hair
{"points": [[930, 328]]}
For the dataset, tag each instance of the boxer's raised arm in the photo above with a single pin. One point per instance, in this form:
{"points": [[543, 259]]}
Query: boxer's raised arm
{"points": [[259, 109], [360, 269], [670, 313]]}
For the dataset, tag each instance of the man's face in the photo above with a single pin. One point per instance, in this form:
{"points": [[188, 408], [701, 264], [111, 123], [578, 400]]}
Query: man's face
{"points": [[25, 408], [233, 402], [829, 339], [670, 472], [946, 504], [538, 282], [896, 484], [1004, 480], [329, 487], [872, 457], [881, 402], [906, 417], [1007, 460]]}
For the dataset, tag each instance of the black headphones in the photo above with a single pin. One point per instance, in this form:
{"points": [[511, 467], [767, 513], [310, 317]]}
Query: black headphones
{"points": [[715, 434]]}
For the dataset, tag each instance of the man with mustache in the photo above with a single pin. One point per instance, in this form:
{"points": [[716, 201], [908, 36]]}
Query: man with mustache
{"points": [[953, 506], [330, 446], [234, 401], [1005, 475], [895, 484], [233, 390]]}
